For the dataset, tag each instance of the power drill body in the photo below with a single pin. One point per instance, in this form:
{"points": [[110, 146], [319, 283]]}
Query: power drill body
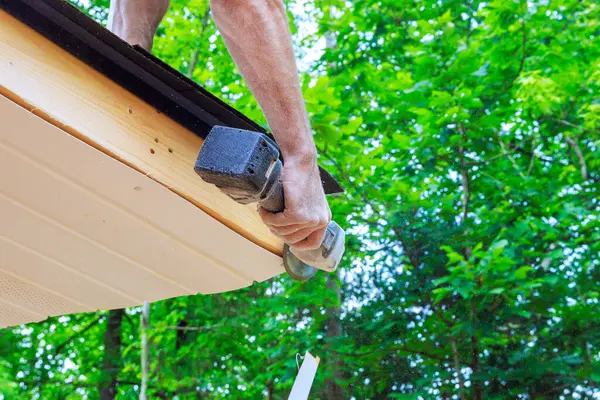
{"points": [[245, 165]]}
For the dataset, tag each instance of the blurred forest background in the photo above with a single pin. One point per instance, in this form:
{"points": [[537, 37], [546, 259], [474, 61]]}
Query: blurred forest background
{"points": [[467, 136]]}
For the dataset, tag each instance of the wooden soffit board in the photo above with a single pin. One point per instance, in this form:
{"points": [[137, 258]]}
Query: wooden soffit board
{"points": [[99, 204]]}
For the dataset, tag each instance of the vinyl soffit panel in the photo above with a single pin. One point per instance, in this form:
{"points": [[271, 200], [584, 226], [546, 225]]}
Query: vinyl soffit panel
{"points": [[82, 231]]}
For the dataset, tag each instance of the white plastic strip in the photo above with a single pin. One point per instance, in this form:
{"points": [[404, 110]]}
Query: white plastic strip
{"points": [[305, 378]]}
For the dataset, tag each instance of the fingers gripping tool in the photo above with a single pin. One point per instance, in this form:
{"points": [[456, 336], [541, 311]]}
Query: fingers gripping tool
{"points": [[245, 165]]}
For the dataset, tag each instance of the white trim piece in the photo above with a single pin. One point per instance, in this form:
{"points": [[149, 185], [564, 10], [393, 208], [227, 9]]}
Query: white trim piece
{"points": [[305, 378]]}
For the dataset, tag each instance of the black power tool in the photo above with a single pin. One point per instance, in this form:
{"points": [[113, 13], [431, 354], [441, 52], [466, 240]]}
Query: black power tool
{"points": [[245, 165]]}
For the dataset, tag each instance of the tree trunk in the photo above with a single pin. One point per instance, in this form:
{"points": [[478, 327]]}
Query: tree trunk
{"points": [[334, 325], [111, 364], [477, 391], [145, 360], [334, 330], [457, 368]]}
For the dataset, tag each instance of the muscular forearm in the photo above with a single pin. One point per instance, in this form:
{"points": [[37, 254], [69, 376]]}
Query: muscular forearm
{"points": [[257, 36], [135, 21]]}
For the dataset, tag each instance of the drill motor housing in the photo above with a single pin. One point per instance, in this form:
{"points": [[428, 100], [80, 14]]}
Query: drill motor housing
{"points": [[245, 165]]}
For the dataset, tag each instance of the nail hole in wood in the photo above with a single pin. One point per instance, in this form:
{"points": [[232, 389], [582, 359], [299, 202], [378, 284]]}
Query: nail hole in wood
{"points": [[170, 150], [152, 151], [156, 140], [130, 111]]}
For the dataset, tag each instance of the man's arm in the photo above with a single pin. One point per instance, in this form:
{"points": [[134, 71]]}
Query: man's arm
{"points": [[136, 21], [257, 35]]}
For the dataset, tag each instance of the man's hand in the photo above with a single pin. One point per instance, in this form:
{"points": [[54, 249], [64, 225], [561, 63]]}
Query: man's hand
{"points": [[257, 35], [303, 222]]}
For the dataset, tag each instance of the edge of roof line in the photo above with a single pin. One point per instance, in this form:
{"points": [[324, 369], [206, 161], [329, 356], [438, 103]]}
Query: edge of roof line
{"points": [[138, 71]]}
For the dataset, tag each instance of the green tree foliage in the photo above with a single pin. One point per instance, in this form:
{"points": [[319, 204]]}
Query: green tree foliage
{"points": [[467, 134]]}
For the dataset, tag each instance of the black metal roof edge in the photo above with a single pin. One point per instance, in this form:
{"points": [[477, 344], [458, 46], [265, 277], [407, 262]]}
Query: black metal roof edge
{"points": [[136, 70]]}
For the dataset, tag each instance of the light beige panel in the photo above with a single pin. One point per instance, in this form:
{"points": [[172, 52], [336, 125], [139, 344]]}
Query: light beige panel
{"points": [[40, 302], [78, 256], [129, 194], [12, 315], [55, 277], [150, 253], [79, 230]]}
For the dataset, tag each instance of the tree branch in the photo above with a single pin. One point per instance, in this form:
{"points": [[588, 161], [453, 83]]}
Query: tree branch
{"points": [[437, 312], [465, 184], [512, 159], [523, 46], [194, 328], [395, 348], [196, 53], [413, 258], [461, 384], [464, 174], [580, 157], [527, 153], [78, 333], [503, 154], [572, 125], [511, 83], [532, 158]]}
